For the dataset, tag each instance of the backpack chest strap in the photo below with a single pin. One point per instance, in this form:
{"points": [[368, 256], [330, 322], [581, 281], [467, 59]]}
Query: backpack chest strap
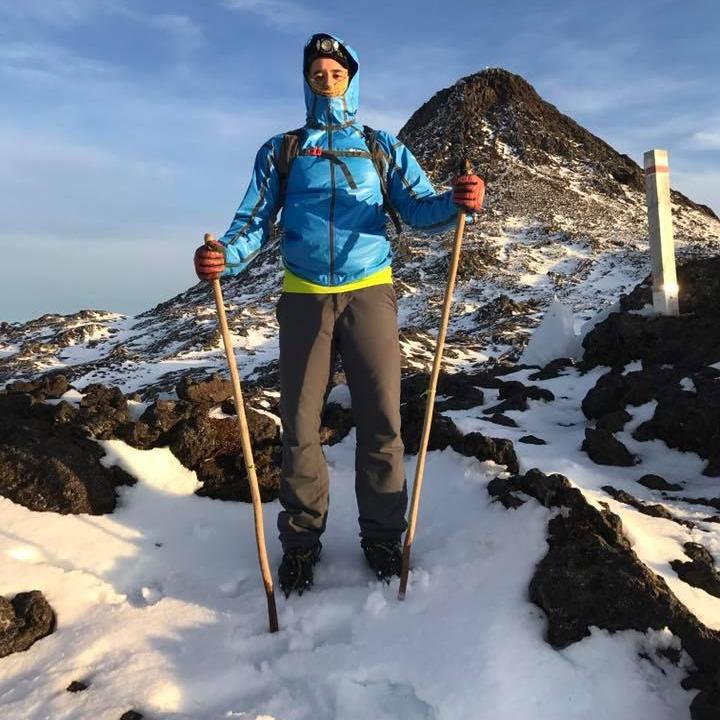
{"points": [[334, 157]]}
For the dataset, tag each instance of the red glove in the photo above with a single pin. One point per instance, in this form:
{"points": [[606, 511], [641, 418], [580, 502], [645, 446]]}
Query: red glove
{"points": [[468, 192], [209, 264]]}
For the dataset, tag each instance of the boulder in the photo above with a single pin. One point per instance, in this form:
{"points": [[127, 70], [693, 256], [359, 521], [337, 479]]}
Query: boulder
{"points": [[656, 482], [24, 620], [499, 450], [211, 391], [443, 432], [605, 449], [102, 409], [591, 576], [700, 572], [50, 466], [51, 385]]}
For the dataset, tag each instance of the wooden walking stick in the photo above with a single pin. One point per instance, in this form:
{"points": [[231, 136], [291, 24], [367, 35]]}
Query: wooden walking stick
{"points": [[420, 467], [246, 448]]}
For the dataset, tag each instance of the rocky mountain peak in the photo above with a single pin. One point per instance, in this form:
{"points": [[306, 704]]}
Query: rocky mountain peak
{"points": [[500, 122]]}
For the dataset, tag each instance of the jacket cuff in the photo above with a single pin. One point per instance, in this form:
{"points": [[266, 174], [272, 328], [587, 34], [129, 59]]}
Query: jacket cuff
{"points": [[234, 255]]}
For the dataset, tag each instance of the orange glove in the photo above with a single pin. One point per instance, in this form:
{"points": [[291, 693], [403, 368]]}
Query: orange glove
{"points": [[209, 264], [468, 192]]}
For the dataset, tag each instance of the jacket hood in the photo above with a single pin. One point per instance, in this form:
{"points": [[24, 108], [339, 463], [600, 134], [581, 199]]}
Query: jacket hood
{"points": [[324, 112]]}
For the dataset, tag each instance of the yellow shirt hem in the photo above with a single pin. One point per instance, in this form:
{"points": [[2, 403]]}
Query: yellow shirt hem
{"points": [[294, 284]]}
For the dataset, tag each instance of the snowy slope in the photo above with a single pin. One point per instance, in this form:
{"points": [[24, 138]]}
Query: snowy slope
{"points": [[166, 613]]}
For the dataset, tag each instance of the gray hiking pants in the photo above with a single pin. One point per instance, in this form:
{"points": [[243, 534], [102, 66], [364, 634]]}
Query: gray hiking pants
{"points": [[360, 325]]}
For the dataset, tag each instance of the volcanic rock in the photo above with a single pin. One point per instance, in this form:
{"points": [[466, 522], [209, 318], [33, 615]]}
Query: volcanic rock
{"points": [[499, 450], [102, 409], [590, 575], [51, 385], [47, 466], [211, 391], [656, 482], [700, 572], [656, 510], [24, 620], [605, 449], [613, 422], [532, 440]]}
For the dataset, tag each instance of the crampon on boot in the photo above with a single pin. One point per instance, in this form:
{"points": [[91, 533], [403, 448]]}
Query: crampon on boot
{"points": [[384, 557], [295, 573]]}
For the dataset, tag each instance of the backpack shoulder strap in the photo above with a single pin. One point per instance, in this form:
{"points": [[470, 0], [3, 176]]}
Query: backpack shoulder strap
{"points": [[289, 149], [381, 162]]}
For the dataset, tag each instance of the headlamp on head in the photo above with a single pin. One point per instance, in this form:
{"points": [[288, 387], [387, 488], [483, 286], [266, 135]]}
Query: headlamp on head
{"points": [[327, 45], [322, 45]]}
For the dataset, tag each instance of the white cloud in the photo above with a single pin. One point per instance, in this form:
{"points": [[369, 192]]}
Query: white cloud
{"points": [[186, 34], [282, 14], [52, 12], [705, 140], [44, 61]]}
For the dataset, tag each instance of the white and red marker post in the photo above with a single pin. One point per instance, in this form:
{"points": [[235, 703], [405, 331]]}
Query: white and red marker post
{"points": [[662, 245]]}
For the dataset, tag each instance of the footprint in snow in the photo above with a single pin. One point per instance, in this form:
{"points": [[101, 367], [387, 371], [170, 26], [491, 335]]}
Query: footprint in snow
{"points": [[147, 595]]}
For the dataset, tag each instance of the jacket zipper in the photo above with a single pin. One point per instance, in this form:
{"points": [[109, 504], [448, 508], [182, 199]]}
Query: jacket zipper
{"points": [[332, 204]]}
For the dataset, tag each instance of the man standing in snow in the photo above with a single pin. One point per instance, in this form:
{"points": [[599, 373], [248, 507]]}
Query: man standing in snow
{"points": [[334, 180]]}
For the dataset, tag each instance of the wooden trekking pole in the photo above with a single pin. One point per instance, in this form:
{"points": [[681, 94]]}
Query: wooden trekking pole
{"points": [[420, 467], [246, 448]]}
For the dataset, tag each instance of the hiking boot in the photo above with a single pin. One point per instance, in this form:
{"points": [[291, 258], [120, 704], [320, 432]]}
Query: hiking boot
{"points": [[295, 573], [384, 557]]}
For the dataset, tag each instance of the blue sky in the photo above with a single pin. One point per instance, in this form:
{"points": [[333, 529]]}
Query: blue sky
{"points": [[128, 127]]}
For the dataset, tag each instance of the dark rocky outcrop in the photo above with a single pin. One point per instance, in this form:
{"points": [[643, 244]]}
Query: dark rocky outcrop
{"points": [[500, 419], [514, 388], [699, 283], [553, 369], [605, 449], [686, 342], [614, 391], [50, 464], [499, 450], [532, 440], [50, 386], [613, 422], [656, 482], [102, 409], [656, 510], [24, 620], [689, 342], [459, 389], [158, 419], [706, 705], [700, 572], [592, 577], [210, 391], [687, 416], [77, 686], [689, 421], [213, 448], [443, 431], [515, 396], [516, 402]]}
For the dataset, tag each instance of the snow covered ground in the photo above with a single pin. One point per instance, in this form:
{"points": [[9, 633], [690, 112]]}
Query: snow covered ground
{"points": [[161, 609]]}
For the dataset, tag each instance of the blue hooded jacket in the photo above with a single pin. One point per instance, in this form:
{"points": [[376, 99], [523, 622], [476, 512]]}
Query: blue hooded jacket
{"points": [[330, 232]]}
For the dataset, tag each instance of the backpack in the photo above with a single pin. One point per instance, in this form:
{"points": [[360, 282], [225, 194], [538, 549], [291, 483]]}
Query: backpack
{"points": [[289, 151]]}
